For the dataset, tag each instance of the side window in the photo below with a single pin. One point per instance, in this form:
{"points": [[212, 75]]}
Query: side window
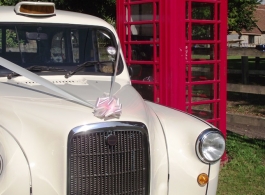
{"points": [[58, 48]]}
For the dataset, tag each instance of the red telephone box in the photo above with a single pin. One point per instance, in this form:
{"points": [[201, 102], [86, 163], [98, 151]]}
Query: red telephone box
{"points": [[177, 51]]}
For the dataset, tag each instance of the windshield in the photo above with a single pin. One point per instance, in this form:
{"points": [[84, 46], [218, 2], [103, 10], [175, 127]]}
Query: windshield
{"points": [[59, 46]]}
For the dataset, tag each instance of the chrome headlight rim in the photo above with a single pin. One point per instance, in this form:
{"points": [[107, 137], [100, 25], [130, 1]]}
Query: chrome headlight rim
{"points": [[200, 141]]}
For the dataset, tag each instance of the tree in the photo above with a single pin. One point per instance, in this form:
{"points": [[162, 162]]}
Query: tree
{"points": [[8, 2], [105, 9], [241, 14]]}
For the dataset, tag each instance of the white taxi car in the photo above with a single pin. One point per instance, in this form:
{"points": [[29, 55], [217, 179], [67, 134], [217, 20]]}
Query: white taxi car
{"points": [[71, 122]]}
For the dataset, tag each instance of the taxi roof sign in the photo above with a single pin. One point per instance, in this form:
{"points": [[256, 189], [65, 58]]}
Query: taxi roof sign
{"points": [[30, 8]]}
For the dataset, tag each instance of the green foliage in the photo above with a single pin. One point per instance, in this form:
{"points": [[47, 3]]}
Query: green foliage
{"points": [[202, 10], [245, 171], [11, 39], [241, 14], [8, 2], [105, 9]]}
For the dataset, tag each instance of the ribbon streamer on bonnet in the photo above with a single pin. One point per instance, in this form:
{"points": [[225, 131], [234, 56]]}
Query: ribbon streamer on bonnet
{"points": [[32, 76], [109, 106], [105, 107]]}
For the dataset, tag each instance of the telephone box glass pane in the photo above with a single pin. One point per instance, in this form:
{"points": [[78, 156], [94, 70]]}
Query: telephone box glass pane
{"points": [[142, 52], [142, 72], [141, 12], [187, 31], [203, 52], [143, 32], [202, 11], [202, 72], [204, 111], [202, 31], [202, 92], [146, 91]]}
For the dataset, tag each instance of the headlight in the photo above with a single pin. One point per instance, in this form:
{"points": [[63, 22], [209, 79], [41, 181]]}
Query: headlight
{"points": [[210, 146]]}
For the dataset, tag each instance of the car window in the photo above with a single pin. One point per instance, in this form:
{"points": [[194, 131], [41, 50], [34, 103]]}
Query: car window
{"points": [[58, 48], [75, 45], [66, 46], [0, 40]]}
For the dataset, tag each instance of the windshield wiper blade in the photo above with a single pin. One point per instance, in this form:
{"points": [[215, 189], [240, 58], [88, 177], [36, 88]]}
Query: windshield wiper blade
{"points": [[36, 69], [82, 66]]}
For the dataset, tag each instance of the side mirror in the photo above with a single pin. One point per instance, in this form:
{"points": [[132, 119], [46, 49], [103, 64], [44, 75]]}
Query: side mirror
{"points": [[111, 50]]}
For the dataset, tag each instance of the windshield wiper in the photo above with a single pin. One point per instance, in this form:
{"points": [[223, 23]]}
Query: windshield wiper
{"points": [[82, 66], [36, 69]]}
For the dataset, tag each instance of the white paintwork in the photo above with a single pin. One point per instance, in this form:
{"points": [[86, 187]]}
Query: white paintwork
{"points": [[35, 122], [181, 132], [15, 178]]}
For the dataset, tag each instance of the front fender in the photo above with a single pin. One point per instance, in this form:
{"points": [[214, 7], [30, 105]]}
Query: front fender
{"points": [[15, 177], [181, 132]]}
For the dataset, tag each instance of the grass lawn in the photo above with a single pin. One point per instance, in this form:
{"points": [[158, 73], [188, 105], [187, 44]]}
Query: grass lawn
{"points": [[244, 174]]}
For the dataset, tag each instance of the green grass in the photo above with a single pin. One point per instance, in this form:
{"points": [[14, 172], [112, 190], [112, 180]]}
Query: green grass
{"points": [[238, 57], [244, 174]]}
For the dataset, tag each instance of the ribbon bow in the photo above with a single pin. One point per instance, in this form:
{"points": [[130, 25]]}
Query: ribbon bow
{"points": [[107, 107]]}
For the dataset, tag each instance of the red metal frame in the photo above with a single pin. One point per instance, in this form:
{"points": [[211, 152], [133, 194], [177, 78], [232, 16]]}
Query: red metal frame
{"points": [[217, 62], [184, 76], [124, 28]]}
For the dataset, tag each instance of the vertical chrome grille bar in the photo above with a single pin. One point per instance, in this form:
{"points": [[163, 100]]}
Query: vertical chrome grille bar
{"points": [[98, 168]]}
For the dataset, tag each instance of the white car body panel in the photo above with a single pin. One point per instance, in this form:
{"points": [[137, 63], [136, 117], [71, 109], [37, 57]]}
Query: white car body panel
{"points": [[35, 122], [181, 151]]}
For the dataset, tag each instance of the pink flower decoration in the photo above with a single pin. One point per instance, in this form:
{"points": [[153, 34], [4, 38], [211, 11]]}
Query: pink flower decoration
{"points": [[107, 107]]}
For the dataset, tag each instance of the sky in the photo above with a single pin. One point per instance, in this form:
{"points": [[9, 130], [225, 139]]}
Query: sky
{"points": [[263, 2]]}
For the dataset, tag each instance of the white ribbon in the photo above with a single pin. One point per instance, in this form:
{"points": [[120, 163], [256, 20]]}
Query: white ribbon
{"points": [[105, 107], [32, 76]]}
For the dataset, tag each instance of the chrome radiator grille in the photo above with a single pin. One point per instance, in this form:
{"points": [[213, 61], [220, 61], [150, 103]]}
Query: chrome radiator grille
{"points": [[98, 166]]}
